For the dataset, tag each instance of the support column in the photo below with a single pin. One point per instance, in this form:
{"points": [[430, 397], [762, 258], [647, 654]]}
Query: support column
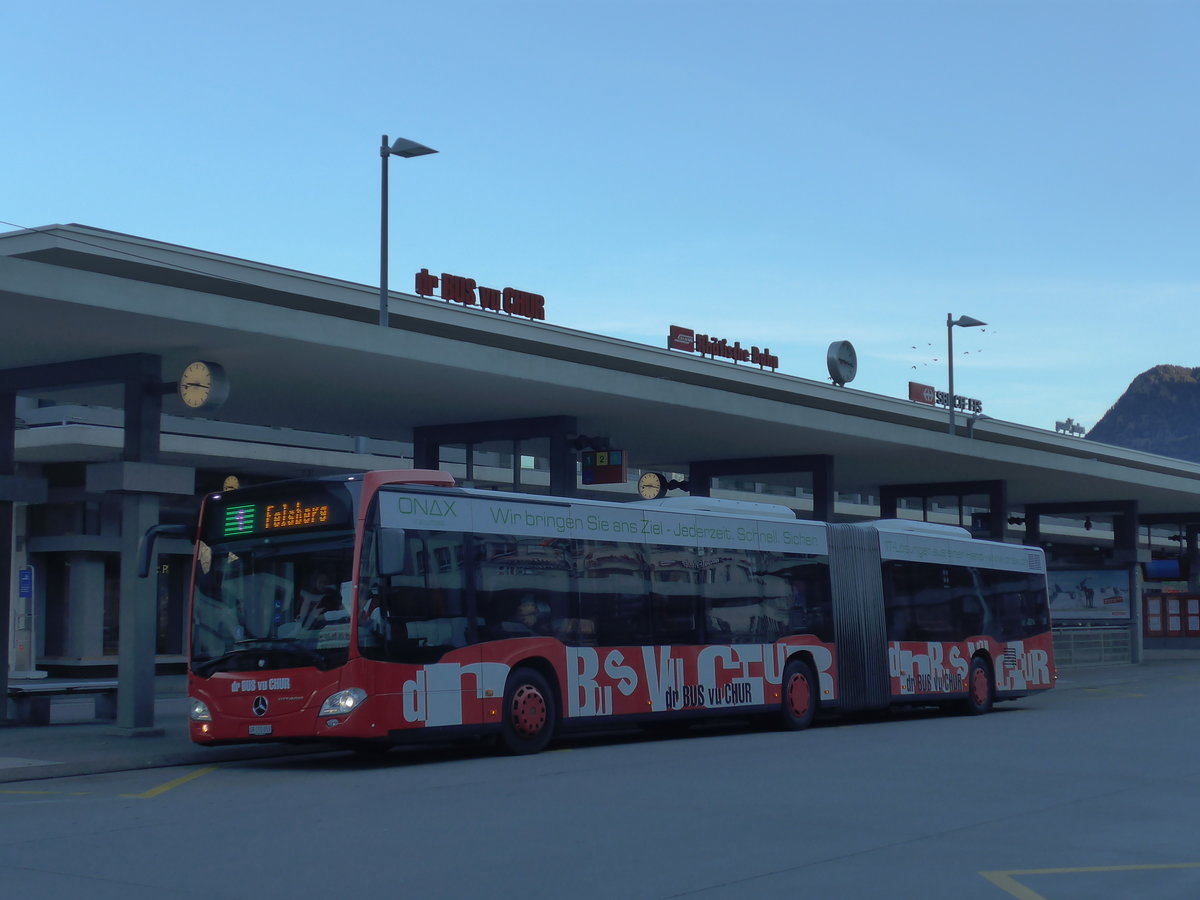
{"points": [[140, 374], [562, 465], [8, 430], [138, 622], [1192, 556], [139, 485], [84, 606]]}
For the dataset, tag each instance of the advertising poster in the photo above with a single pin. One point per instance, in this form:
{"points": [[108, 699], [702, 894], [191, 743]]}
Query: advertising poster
{"points": [[1089, 594]]}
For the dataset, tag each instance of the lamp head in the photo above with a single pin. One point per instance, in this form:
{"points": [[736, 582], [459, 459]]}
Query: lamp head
{"points": [[408, 149], [966, 322]]}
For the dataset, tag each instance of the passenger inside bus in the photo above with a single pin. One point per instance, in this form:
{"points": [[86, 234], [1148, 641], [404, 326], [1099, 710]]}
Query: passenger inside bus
{"points": [[533, 615], [319, 597], [528, 616]]}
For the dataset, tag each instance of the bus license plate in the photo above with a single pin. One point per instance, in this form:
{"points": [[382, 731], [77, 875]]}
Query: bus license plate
{"points": [[259, 730]]}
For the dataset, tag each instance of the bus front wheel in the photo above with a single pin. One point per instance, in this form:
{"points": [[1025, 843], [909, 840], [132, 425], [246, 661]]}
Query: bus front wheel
{"points": [[799, 695], [530, 714]]}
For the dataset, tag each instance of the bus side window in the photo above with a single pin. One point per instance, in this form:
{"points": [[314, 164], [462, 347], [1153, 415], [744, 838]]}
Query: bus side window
{"points": [[898, 588], [799, 590], [413, 612], [969, 609], [732, 587], [1018, 604], [899, 624], [523, 586], [675, 602], [931, 596], [613, 588]]}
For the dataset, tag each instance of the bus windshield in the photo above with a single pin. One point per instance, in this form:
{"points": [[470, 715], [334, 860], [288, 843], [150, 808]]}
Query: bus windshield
{"points": [[272, 607], [271, 594]]}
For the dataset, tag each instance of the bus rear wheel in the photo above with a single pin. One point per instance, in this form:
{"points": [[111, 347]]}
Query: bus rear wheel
{"points": [[530, 714], [799, 695], [981, 693]]}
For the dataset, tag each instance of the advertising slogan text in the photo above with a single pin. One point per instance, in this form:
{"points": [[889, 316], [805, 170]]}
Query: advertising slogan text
{"points": [[609, 523], [625, 681]]}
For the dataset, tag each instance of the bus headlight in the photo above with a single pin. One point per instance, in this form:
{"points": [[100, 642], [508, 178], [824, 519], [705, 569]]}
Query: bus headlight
{"points": [[199, 711], [343, 702]]}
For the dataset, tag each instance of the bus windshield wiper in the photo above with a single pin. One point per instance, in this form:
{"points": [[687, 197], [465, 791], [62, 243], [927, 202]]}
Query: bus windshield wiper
{"points": [[268, 645], [288, 644]]}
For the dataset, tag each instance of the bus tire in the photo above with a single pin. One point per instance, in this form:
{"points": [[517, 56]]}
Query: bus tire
{"points": [[799, 706], [981, 690], [530, 714]]}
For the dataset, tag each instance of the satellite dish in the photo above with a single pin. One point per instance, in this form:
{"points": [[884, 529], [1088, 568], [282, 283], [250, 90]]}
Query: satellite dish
{"points": [[842, 362]]}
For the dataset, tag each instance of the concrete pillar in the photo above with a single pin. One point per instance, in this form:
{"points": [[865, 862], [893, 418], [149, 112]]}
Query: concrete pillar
{"points": [[83, 608], [8, 415], [139, 485], [138, 622]]}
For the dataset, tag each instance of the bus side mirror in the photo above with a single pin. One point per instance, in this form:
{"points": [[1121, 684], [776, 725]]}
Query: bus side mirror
{"points": [[392, 556], [146, 544]]}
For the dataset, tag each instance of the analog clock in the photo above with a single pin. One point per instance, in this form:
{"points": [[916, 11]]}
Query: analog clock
{"points": [[842, 362], [203, 385], [651, 485]]}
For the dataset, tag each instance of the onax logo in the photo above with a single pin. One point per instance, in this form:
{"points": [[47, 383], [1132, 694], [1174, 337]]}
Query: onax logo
{"points": [[437, 507]]}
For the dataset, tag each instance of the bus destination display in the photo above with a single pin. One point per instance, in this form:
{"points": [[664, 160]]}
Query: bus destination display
{"points": [[277, 515]]}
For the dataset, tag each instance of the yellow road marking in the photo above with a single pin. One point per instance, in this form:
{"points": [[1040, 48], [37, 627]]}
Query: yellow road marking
{"points": [[1011, 886], [171, 785]]}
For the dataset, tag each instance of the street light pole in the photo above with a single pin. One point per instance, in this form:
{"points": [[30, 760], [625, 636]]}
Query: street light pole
{"points": [[962, 322], [407, 149]]}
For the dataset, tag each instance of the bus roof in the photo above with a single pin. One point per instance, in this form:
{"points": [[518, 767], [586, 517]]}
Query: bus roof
{"points": [[715, 504], [911, 526]]}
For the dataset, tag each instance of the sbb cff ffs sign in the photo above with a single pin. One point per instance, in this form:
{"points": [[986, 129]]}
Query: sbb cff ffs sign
{"points": [[604, 467], [926, 393]]}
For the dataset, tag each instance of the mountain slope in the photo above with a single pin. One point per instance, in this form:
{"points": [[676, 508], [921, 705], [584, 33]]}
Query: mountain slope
{"points": [[1158, 413]]}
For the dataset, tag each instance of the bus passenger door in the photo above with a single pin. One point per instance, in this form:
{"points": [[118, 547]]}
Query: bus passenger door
{"points": [[416, 621]]}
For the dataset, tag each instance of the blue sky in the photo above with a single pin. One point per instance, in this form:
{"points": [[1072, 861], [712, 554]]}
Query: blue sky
{"points": [[786, 174]]}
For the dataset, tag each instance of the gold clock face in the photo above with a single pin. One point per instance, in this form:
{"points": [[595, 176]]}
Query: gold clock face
{"points": [[651, 486], [203, 386]]}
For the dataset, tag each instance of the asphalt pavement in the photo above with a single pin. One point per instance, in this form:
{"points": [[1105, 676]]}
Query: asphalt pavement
{"points": [[74, 743]]}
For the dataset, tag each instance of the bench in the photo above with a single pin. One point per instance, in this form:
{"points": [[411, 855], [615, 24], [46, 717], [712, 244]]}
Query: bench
{"points": [[29, 702]]}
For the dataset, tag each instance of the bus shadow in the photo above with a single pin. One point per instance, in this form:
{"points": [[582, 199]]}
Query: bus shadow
{"points": [[332, 758]]}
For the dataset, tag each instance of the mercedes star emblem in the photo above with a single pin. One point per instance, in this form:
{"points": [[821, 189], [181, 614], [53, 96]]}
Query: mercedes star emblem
{"points": [[259, 706]]}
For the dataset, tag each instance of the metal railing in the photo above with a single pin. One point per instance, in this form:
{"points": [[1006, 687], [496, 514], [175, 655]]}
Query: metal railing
{"points": [[1100, 645]]}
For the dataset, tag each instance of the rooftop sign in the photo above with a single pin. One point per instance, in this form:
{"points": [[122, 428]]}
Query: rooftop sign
{"points": [[457, 289], [682, 338], [926, 393]]}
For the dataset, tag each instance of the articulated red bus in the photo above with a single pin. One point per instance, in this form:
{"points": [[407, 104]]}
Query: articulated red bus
{"points": [[380, 608]]}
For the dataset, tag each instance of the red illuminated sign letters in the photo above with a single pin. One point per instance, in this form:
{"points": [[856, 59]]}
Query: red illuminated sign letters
{"points": [[681, 338], [457, 289]]}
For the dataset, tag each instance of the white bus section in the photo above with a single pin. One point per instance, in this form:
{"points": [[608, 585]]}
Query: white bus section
{"points": [[97, 444], [634, 522], [950, 546]]}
